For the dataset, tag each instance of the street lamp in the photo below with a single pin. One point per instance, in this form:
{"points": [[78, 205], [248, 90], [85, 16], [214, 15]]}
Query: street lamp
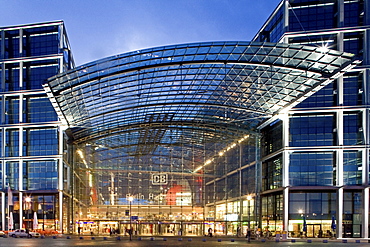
{"points": [[28, 200], [249, 198], [304, 227], [130, 199]]}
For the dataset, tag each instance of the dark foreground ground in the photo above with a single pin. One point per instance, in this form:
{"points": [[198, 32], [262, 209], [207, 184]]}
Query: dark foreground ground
{"points": [[172, 241]]}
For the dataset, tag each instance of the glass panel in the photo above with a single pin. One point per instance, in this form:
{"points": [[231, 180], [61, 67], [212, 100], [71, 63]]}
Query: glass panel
{"points": [[38, 109], [12, 143], [312, 130], [309, 169], [41, 175], [38, 142]]}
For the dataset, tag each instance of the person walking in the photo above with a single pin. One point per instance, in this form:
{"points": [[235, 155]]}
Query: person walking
{"points": [[238, 231], [248, 236]]}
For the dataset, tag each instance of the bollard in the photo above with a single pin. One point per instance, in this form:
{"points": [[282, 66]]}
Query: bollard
{"points": [[325, 241]]}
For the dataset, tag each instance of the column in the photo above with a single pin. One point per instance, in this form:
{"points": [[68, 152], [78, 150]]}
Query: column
{"points": [[21, 206], [286, 160], [365, 219], [340, 213], [3, 211], [61, 211]]}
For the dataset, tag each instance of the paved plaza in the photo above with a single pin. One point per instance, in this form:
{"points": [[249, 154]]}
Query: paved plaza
{"points": [[171, 241]]}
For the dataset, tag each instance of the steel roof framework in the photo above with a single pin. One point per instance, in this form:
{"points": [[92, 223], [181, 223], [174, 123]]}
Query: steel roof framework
{"points": [[196, 98]]}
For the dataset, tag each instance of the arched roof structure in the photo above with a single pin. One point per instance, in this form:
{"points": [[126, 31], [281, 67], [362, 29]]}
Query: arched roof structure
{"points": [[191, 96]]}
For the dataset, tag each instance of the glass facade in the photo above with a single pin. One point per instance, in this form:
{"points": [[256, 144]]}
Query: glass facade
{"points": [[174, 140], [178, 139], [323, 138], [31, 137]]}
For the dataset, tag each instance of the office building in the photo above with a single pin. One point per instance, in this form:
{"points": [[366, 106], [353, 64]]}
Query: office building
{"points": [[31, 142], [315, 160]]}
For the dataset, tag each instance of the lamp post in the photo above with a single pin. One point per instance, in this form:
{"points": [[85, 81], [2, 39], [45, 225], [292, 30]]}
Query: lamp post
{"points": [[304, 226], [130, 199], [28, 200], [249, 198]]}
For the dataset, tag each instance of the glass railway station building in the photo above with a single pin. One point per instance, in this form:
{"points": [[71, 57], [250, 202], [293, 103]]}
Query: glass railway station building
{"points": [[269, 135]]}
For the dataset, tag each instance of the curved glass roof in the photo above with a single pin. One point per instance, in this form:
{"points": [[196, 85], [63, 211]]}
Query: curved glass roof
{"points": [[188, 95]]}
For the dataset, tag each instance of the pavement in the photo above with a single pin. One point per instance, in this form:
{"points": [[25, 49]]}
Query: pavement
{"points": [[159, 241]]}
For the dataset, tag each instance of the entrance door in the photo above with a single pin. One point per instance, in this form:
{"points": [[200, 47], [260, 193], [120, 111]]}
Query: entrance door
{"points": [[314, 230]]}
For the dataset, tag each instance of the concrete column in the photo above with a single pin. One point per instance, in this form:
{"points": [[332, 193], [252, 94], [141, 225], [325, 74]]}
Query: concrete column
{"points": [[286, 154], [339, 158], [286, 16], [365, 217], [340, 15], [340, 213], [20, 77], [367, 13], [3, 211], [286, 209], [21, 206], [366, 54], [365, 152], [20, 146], [2, 45], [60, 160], [21, 42], [61, 211], [3, 84]]}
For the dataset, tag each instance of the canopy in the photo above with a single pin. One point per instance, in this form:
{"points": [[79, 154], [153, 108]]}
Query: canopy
{"points": [[200, 97]]}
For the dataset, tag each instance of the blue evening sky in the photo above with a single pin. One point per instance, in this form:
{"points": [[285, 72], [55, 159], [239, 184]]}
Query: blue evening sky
{"points": [[101, 28]]}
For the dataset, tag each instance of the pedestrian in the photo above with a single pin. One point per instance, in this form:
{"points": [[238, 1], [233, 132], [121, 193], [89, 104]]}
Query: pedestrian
{"points": [[258, 233], [210, 232], [248, 236]]}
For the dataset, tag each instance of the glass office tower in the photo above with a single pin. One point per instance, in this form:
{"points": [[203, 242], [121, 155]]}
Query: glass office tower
{"points": [[315, 158], [31, 143]]}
